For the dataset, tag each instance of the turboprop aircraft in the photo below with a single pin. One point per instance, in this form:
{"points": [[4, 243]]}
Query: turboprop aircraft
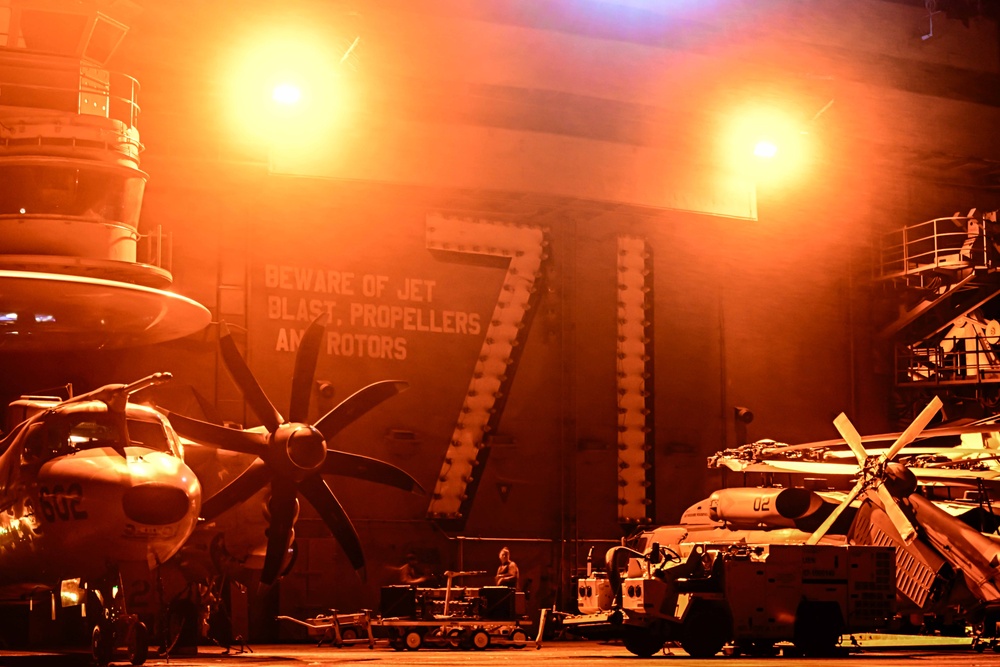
{"points": [[90, 487], [288, 456]]}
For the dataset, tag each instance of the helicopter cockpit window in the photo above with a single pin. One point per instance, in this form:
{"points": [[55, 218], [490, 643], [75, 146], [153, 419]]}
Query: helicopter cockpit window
{"points": [[148, 434]]}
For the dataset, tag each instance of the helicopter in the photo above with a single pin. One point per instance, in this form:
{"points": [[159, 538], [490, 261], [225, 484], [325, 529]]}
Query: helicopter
{"points": [[948, 551], [945, 569], [90, 487]]}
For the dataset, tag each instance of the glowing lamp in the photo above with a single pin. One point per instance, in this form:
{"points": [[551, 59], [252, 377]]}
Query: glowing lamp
{"points": [[765, 149], [284, 89], [766, 144], [286, 93]]}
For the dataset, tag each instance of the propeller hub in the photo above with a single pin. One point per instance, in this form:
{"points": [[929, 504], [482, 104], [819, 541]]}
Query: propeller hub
{"points": [[899, 480], [305, 447]]}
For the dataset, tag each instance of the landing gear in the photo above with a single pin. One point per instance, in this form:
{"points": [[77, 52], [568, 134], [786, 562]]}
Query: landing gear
{"points": [[114, 626]]}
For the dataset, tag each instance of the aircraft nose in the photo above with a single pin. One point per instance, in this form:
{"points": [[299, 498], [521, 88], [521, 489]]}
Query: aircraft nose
{"points": [[155, 504]]}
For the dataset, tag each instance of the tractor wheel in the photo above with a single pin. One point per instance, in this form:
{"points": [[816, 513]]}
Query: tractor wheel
{"points": [[706, 628], [818, 627], [643, 642]]}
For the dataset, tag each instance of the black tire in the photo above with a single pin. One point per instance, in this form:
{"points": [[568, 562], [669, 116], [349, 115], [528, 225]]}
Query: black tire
{"points": [[518, 638], [707, 627], [138, 643], [457, 638], [101, 645], [479, 640], [413, 640], [643, 642], [818, 626], [348, 634]]}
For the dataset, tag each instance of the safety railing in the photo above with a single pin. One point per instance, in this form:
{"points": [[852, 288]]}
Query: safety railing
{"points": [[155, 248], [969, 357], [64, 84], [941, 243]]}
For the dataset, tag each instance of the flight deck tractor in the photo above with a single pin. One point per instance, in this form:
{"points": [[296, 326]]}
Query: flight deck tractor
{"points": [[705, 596]]}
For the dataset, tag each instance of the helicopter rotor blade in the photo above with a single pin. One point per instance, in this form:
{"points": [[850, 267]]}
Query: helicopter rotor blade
{"points": [[283, 507], [247, 383], [247, 483], [356, 405], [899, 520], [835, 514], [851, 437], [913, 430], [305, 370], [372, 470], [319, 495], [213, 435]]}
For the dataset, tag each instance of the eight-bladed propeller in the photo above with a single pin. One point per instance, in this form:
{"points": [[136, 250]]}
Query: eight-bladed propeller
{"points": [[875, 471], [292, 455]]}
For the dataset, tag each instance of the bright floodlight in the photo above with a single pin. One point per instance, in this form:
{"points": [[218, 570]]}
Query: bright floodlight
{"points": [[286, 93], [765, 143], [765, 149], [283, 88]]}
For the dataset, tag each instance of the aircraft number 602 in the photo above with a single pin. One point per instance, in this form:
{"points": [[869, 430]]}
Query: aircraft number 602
{"points": [[62, 504]]}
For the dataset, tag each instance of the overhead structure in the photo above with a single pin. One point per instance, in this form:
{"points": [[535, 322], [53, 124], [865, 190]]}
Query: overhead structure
{"points": [[636, 455], [524, 248], [72, 191], [940, 274]]}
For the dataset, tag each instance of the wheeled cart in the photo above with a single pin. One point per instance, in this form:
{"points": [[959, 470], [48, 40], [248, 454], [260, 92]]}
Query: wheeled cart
{"points": [[410, 618], [410, 634]]}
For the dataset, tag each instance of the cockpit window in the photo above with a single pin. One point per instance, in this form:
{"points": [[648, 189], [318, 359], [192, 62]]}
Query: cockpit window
{"points": [[62, 434], [94, 431], [148, 434]]}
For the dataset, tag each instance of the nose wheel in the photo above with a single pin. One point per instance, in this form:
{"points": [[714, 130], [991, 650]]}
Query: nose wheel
{"points": [[114, 627]]}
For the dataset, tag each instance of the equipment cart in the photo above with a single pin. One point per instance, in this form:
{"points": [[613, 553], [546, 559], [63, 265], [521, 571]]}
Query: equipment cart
{"points": [[452, 617]]}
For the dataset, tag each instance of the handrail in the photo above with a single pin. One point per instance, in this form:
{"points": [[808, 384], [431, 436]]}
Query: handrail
{"points": [[937, 243], [54, 92], [959, 358]]}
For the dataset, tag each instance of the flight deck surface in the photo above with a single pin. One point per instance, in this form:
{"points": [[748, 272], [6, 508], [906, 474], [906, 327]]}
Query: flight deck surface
{"points": [[552, 653]]}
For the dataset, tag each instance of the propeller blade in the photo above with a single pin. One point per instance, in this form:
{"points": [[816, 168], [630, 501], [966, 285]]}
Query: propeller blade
{"points": [[896, 515], [213, 435], [835, 514], [851, 437], [247, 483], [245, 380], [356, 405], [283, 508], [305, 369], [913, 430], [372, 470], [319, 495]]}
